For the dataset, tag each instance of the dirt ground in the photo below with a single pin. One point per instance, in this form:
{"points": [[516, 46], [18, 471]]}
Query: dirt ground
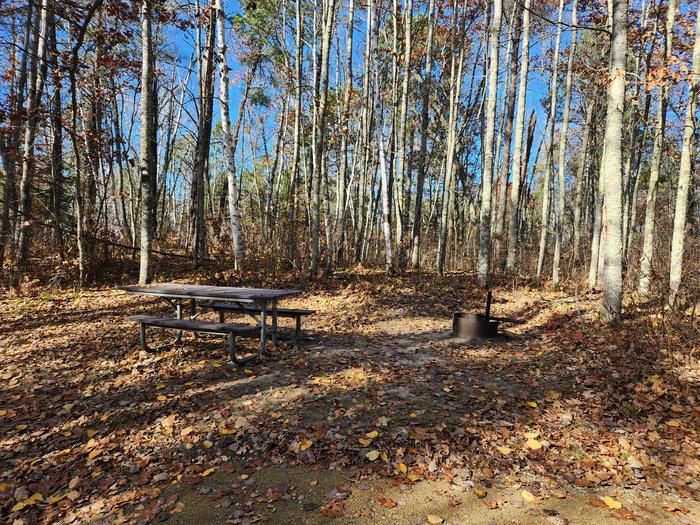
{"points": [[382, 416]]}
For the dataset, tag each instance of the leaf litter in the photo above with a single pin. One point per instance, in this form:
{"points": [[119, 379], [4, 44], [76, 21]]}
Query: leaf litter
{"points": [[94, 427]]}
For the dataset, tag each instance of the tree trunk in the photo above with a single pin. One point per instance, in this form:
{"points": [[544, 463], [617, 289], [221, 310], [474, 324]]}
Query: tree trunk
{"points": [[341, 205], [328, 9], [401, 187], [379, 133], [147, 140], [37, 75], [296, 154], [56, 140], [425, 120], [612, 278], [655, 168], [563, 137], [513, 223], [484, 262], [508, 114], [457, 63], [228, 147], [203, 141], [581, 174], [684, 174], [550, 148]]}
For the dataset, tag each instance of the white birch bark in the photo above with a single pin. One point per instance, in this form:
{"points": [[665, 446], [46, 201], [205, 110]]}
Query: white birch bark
{"points": [[379, 133], [229, 160]]}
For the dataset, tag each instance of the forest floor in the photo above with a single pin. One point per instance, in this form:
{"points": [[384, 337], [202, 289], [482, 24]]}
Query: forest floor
{"points": [[382, 416]]}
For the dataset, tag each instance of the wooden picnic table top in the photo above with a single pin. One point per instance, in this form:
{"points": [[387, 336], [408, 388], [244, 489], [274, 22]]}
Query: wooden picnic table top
{"points": [[207, 293]]}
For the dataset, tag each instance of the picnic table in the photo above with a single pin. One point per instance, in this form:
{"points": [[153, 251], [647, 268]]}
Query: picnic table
{"points": [[251, 301]]}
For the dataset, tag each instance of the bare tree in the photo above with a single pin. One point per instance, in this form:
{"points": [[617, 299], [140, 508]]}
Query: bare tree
{"points": [[201, 156], [425, 120], [685, 172], [328, 11], [563, 137], [518, 146], [612, 162], [228, 146], [655, 168], [484, 263]]}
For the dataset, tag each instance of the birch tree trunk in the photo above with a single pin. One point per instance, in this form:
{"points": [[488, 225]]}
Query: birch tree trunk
{"points": [[379, 134], [612, 163], [655, 168], [563, 138], [513, 223], [147, 141], [484, 261], [401, 146], [685, 172], [229, 152]]}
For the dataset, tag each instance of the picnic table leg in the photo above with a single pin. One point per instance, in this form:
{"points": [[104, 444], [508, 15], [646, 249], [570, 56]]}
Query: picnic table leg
{"points": [[263, 327], [274, 322], [193, 314], [178, 315]]}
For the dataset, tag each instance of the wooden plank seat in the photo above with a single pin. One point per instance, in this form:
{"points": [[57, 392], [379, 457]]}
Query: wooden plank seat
{"points": [[294, 313], [229, 330]]}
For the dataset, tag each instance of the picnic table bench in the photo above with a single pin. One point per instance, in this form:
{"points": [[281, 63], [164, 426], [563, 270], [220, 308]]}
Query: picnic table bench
{"points": [[251, 301], [292, 313]]}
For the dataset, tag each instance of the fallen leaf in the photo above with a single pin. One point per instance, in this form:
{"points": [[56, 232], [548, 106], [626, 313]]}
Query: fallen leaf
{"points": [[434, 519], [504, 450], [31, 500], [533, 444], [387, 503], [372, 455], [479, 492], [611, 503], [305, 444]]}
